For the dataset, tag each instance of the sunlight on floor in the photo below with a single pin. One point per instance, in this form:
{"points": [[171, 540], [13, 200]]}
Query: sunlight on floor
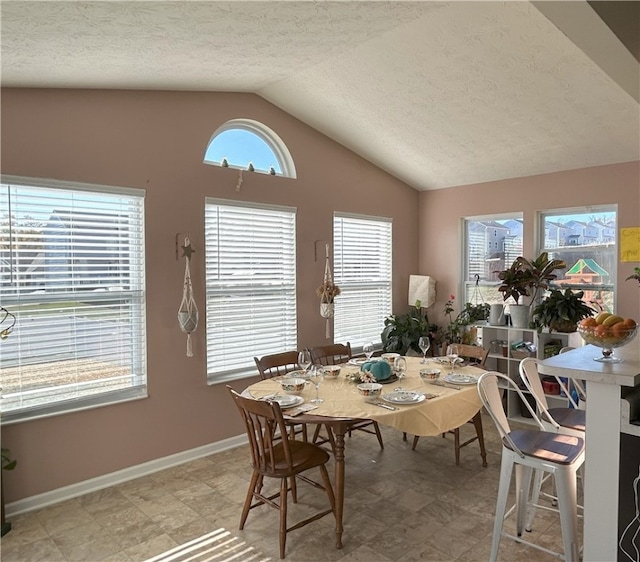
{"points": [[219, 545]]}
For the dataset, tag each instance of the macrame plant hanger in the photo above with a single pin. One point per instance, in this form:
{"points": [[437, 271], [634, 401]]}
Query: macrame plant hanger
{"points": [[188, 311], [327, 305]]}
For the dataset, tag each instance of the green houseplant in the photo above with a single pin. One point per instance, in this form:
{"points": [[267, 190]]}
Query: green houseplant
{"points": [[561, 311], [526, 278], [402, 331]]}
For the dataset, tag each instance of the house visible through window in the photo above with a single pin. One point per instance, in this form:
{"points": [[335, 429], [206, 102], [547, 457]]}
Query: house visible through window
{"points": [[491, 243], [250, 285], [72, 272], [586, 240], [249, 145], [362, 263]]}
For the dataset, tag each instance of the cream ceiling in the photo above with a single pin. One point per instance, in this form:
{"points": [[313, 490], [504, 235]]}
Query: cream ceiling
{"points": [[437, 93]]}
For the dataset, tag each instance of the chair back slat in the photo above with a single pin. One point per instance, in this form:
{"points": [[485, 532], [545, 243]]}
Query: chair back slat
{"points": [[265, 429], [333, 354], [277, 364], [476, 354]]}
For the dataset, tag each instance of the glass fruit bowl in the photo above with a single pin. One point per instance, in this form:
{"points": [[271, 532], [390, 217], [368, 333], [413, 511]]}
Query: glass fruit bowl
{"points": [[608, 338]]}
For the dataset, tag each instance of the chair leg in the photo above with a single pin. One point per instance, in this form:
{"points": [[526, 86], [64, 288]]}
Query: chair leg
{"points": [[378, 434], [416, 438], [284, 488], [294, 490], [477, 423], [506, 467], [566, 489], [328, 488], [456, 441], [535, 498], [404, 435], [247, 502], [523, 485]]}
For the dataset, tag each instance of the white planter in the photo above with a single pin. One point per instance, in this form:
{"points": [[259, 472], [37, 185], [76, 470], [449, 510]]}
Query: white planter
{"points": [[519, 315], [326, 309]]}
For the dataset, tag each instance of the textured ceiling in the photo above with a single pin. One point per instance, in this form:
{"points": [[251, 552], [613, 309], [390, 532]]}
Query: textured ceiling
{"points": [[436, 93]]}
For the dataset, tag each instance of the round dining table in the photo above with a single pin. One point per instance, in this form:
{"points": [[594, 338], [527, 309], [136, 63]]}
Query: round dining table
{"points": [[445, 406]]}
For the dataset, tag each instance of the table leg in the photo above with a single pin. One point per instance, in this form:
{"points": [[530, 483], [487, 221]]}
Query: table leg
{"points": [[339, 433]]}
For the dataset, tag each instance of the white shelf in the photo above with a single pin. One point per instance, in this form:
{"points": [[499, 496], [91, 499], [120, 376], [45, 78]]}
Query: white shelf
{"points": [[509, 365]]}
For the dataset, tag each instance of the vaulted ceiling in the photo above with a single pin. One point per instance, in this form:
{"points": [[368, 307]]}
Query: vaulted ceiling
{"points": [[436, 93]]}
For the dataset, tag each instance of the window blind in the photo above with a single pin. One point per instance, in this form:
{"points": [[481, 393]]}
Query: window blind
{"points": [[250, 285], [362, 261], [72, 272]]}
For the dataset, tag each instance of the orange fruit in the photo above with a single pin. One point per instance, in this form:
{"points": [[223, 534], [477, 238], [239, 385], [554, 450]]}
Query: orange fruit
{"points": [[630, 323], [588, 322], [620, 330], [602, 332]]}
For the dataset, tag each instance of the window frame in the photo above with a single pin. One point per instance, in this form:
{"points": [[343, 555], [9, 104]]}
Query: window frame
{"points": [[287, 309], [487, 290], [266, 135], [340, 335], [134, 298], [540, 237]]}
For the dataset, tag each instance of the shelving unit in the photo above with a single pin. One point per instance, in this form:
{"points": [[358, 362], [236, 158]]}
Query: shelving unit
{"points": [[505, 360]]}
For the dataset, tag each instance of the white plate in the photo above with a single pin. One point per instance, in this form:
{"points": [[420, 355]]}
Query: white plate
{"points": [[288, 400], [459, 378], [359, 362], [445, 360], [403, 397]]}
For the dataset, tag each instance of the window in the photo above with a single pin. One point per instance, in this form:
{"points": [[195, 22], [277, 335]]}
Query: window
{"points": [[492, 243], [72, 272], [250, 285], [586, 240], [362, 270], [246, 144]]}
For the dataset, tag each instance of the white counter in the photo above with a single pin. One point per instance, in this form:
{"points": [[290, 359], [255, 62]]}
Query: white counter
{"points": [[604, 382]]}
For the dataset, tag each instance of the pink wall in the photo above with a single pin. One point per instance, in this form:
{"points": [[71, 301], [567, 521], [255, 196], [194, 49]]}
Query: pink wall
{"points": [[156, 141], [441, 212]]}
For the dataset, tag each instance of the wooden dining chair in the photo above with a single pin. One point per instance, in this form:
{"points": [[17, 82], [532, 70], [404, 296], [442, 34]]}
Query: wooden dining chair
{"points": [[336, 354], [476, 356], [333, 354], [278, 364], [274, 456]]}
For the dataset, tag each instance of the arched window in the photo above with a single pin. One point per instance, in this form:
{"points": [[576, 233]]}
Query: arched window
{"points": [[245, 144]]}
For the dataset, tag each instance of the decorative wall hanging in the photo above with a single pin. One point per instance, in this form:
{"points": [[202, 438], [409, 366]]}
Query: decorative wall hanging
{"points": [[327, 292], [188, 311]]}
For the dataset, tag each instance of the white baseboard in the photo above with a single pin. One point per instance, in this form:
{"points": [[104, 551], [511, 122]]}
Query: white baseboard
{"points": [[105, 481]]}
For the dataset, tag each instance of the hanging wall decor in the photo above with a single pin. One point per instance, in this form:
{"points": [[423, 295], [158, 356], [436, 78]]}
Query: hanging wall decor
{"points": [[188, 311], [327, 292]]}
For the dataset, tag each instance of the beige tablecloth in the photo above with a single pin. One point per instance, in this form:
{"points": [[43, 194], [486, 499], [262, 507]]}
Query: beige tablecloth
{"points": [[450, 409]]}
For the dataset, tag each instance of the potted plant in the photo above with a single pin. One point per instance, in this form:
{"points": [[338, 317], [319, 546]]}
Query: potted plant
{"points": [[402, 331], [561, 311], [526, 278]]}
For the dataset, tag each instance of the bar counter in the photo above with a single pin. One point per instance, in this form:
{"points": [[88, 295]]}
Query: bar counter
{"points": [[604, 383]]}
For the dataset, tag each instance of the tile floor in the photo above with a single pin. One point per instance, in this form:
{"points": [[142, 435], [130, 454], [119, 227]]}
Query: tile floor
{"points": [[400, 505]]}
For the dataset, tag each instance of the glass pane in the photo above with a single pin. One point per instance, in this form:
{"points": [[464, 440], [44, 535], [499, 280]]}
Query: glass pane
{"points": [[240, 147]]}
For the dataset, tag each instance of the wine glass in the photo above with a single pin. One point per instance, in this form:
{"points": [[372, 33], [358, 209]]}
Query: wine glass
{"points": [[452, 356], [315, 376], [400, 366], [424, 343], [368, 349], [304, 359]]}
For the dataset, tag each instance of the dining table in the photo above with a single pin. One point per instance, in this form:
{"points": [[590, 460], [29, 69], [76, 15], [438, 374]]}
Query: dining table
{"points": [[433, 407]]}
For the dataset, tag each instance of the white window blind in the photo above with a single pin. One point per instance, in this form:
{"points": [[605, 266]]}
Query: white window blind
{"points": [[250, 285], [362, 269], [72, 272]]}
